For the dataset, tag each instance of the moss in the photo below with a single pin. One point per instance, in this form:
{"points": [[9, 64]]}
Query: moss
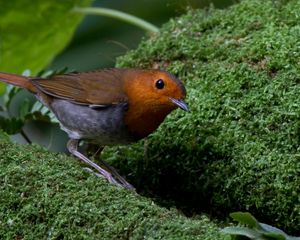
{"points": [[45, 195], [238, 148]]}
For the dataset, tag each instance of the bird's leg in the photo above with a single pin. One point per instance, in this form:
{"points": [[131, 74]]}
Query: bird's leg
{"points": [[111, 169], [72, 146], [115, 173]]}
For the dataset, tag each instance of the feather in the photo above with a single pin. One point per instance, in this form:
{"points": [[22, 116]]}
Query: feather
{"points": [[95, 88]]}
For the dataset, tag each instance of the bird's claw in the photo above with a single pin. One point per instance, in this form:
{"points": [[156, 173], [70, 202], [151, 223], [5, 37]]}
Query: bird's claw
{"points": [[121, 182]]}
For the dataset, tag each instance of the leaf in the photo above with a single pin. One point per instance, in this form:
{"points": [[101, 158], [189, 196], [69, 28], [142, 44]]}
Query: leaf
{"points": [[275, 236], [32, 34], [255, 229], [11, 125], [242, 231], [271, 229], [42, 113], [276, 232], [246, 219], [2, 88], [10, 92], [120, 16], [24, 109], [50, 73]]}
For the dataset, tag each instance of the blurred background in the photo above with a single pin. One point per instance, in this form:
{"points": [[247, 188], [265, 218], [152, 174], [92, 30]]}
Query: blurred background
{"points": [[96, 44], [99, 40]]}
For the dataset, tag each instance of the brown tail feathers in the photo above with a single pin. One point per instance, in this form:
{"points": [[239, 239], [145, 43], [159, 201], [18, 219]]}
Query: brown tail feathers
{"points": [[18, 80]]}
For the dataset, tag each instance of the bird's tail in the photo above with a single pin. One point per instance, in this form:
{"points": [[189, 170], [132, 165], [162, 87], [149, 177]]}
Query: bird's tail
{"points": [[18, 80]]}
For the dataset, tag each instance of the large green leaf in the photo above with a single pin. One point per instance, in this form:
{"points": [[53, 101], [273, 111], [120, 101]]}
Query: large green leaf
{"points": [[32, 33], [2, 89], [252, 229]]}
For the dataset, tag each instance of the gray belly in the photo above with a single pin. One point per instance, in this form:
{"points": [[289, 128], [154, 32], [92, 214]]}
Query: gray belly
{"points": [[103, 125]]}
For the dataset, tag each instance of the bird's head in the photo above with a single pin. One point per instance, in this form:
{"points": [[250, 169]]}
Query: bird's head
{"points": [[155, 89], [152, 95]]}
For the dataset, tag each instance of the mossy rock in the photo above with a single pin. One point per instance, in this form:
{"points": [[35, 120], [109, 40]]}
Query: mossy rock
{"points": [[238, 147], [49, 196]]}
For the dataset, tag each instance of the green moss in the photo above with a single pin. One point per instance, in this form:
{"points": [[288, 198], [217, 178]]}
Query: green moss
{"points": [[44, 195], [238, 148]]}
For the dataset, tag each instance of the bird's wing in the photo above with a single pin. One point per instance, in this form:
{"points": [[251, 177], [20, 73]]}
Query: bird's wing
{"points": [[96, 88]]}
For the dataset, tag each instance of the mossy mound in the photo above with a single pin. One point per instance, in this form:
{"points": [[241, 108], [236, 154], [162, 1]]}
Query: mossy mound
{"points": [[50, 196], [238, 148]]}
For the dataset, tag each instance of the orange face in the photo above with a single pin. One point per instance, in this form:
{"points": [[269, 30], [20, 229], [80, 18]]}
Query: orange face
{"points": [[152, 95], [155, 89]]}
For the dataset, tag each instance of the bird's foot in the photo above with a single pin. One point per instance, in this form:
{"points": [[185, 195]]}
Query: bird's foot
{"points": [[111, 175], [119, 181], [115, 173]]}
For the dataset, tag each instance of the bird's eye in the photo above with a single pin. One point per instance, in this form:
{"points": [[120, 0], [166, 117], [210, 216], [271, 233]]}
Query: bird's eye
{"points": [[160, 84]]}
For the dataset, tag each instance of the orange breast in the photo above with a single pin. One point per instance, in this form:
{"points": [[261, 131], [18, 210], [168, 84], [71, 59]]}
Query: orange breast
{"points": [[143, 120]]}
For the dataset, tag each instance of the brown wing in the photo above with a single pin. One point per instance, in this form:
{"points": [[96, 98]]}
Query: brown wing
{"points": [[104, 87]]}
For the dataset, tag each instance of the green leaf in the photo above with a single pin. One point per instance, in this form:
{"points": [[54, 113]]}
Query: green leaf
{"points": [[255, 229], [276, 233], [50, 73], [42, 113], [11, 125], [242, 231], [246, 219], [120, 16], [33, 33], [271, 229], [275, 236], [2, 88], [10, 92], [24, 109]]}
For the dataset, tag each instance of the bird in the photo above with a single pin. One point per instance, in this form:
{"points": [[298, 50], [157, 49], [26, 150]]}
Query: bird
{"points": [[107, 107]]}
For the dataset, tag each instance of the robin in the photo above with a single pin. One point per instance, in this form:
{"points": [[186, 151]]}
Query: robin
{"points": [[106, 107]]}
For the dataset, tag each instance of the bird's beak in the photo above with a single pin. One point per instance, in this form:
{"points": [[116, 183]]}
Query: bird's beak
{"points": [[180, 103]]}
